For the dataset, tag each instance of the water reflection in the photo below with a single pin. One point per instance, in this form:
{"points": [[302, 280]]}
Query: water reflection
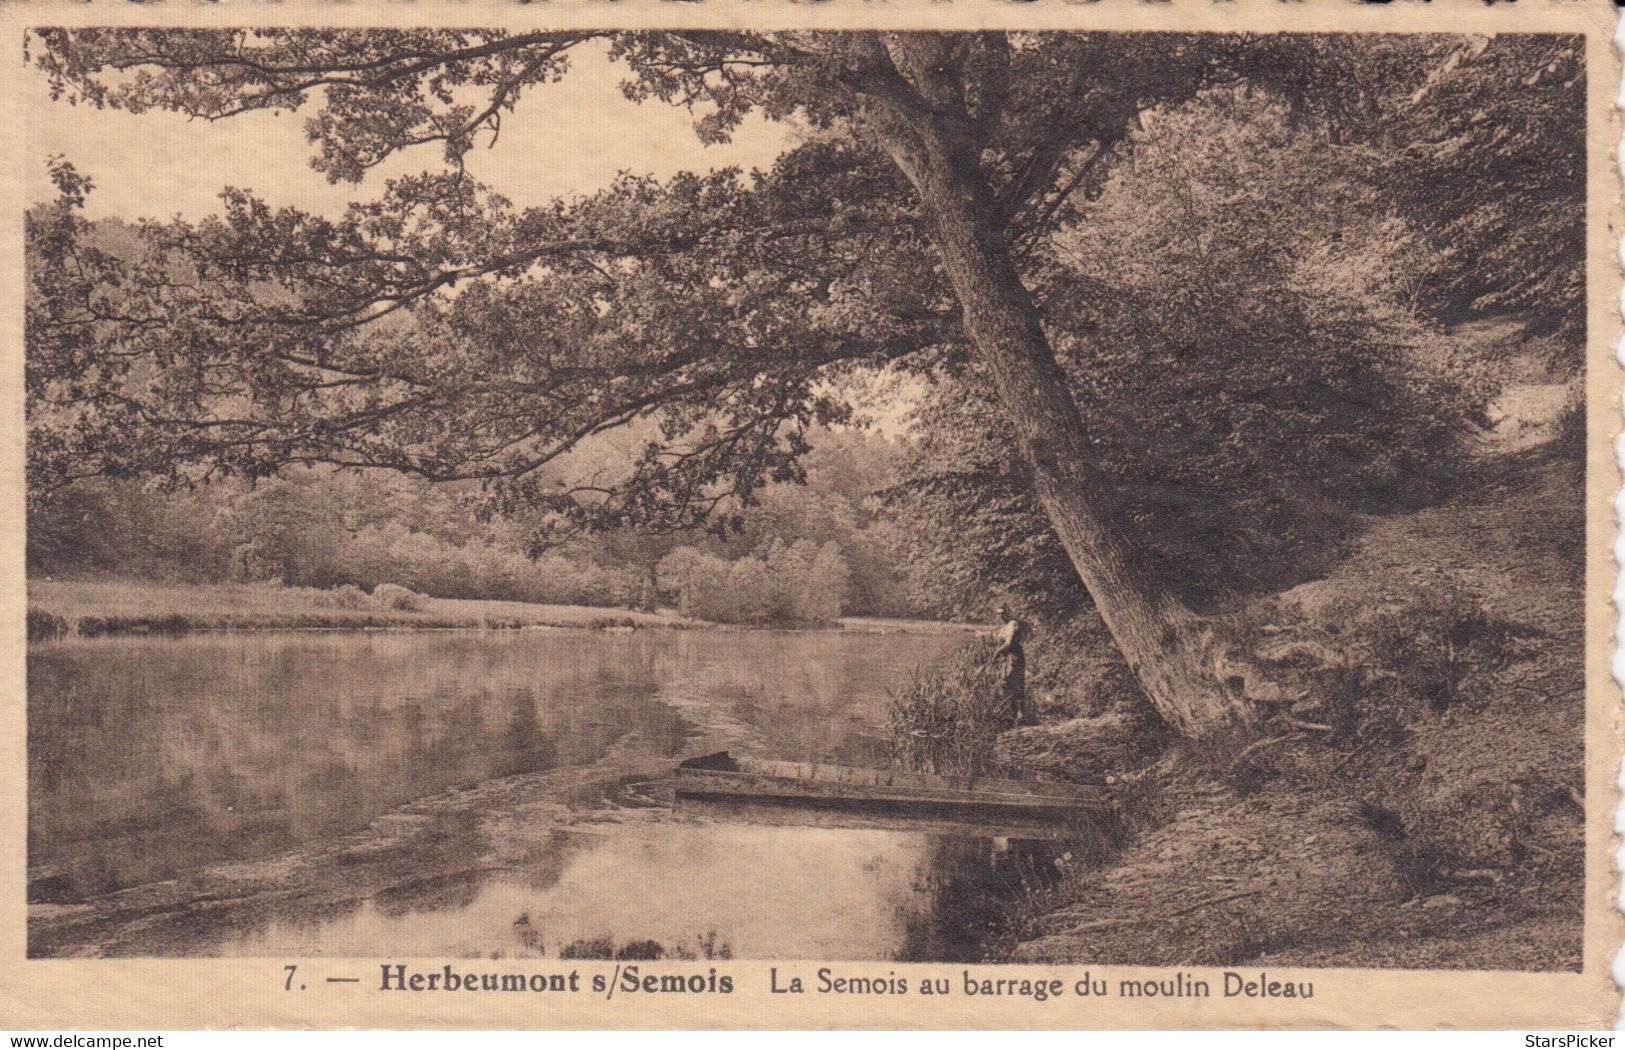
{"points": [[160, 759], [150, 758], [686, 891]]}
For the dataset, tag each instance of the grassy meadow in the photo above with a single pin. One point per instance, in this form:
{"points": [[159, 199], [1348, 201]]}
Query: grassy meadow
{"points": [[100, 607]]}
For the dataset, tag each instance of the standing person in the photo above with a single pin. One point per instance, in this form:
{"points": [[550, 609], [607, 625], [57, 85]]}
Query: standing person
{"points": [[1010, 661]]}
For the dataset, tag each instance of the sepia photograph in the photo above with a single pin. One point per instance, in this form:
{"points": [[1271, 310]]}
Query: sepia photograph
{"points": [[667, 497]]}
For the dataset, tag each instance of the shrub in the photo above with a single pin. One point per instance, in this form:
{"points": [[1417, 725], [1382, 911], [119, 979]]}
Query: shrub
{"points": [[347, 596], [595, 948], [1418, 655], [1374, 663], [394, 596], [43, 625], [1076, 667], [798, 585]]}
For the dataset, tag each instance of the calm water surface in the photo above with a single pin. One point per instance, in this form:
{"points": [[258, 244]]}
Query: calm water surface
{"points": [[154, 759]]}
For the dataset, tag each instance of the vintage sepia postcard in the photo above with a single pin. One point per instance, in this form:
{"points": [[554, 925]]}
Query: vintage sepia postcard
{"points": [[765, 515]]}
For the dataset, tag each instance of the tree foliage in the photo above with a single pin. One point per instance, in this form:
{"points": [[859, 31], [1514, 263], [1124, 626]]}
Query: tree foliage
{"points": [[441, 331], [1240, 312], [1479, 142], [824, 555], [798, 584]]}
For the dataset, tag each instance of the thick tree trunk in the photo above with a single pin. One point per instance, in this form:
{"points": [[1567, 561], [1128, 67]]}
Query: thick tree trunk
{"points": [[1169, 647]]}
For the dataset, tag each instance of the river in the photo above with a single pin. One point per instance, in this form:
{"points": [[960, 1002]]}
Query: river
{"points": [[469, 793]]}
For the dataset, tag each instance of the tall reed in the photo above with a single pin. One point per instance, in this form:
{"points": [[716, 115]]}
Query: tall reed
{"points": [[948, 719]]}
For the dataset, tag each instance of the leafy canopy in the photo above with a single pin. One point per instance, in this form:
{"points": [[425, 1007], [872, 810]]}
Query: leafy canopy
{"points": [[442, 331], [1243, 316]]}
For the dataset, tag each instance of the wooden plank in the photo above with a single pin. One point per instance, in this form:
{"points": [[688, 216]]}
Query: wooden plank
{"points": [[746, 784], [975, 824], [885, 778]]}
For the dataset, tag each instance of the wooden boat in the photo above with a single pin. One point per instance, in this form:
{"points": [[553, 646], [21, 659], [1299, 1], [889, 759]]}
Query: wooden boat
{"points": [[723, 778]]}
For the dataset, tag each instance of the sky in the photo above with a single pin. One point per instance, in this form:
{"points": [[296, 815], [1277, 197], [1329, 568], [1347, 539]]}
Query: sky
{"points": [[568, 138]]}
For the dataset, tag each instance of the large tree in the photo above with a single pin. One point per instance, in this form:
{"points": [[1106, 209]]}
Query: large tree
{"points": [[440, 331]]}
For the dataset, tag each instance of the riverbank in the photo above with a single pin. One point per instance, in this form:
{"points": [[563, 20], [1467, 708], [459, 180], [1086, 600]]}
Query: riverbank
{"points": [[91, 608], [96, 608], [1420, 803]]}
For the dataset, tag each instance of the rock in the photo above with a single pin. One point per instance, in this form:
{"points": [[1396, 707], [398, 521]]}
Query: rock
{"points": [[1442, 900]]}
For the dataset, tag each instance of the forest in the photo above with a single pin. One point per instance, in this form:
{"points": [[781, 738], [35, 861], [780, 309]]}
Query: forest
{"points": [[1250, 369], [803, 555]]}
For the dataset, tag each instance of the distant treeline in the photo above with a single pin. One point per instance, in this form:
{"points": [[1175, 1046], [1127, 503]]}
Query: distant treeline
{"points": [[802, 555]]}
